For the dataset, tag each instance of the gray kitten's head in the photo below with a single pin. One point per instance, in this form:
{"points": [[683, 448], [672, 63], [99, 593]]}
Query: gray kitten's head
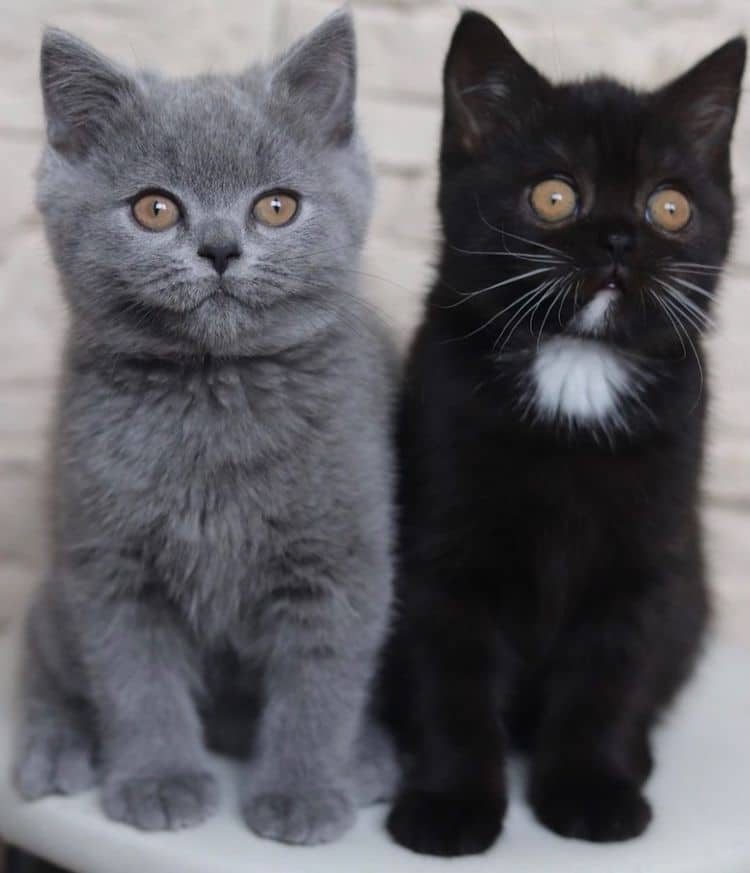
{"points": [[204, 215]]}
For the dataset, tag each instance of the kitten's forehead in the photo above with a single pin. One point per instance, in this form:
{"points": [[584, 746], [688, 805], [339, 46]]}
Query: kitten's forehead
{"points": [[211, 135], [601, 122], [613, 135]]}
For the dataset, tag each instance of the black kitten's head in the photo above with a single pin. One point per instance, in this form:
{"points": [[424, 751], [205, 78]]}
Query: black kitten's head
{"points": [[588, 208]]}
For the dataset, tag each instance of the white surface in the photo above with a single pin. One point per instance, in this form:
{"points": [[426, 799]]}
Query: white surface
{"points": [[700, 792]]}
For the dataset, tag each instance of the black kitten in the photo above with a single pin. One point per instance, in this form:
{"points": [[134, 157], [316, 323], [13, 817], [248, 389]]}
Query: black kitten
{"points": [[552, 425]]}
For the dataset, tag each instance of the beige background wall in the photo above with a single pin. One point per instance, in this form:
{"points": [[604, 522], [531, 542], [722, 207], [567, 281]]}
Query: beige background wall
{"points": [[402, 43]]}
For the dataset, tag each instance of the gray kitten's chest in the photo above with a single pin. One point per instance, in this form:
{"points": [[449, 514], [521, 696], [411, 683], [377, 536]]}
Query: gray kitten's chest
{"points": [[199, 473]]}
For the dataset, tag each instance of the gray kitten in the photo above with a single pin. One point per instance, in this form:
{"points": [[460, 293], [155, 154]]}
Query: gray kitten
{"points": [[222, 562]]}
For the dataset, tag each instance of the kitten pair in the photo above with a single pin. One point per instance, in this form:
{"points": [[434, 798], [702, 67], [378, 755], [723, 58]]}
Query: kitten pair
{"points": [[222, 555], [221, 565]]}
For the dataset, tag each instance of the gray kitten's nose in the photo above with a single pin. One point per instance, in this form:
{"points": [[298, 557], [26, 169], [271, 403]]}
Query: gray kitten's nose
{"points": [[220, 254]]}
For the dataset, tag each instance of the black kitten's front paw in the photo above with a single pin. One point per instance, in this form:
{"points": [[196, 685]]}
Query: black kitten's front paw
{"points": [[598, 806], [446, 823]]}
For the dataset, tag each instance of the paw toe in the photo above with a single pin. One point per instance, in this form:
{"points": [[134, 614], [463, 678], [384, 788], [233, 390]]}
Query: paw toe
{"points": [[169, 802], [447, 824], [601, 808], [55, 764], [315, 816]]}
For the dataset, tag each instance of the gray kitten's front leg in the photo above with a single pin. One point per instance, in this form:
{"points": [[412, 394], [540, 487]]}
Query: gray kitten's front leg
{"points": [[156, 774], [299, 788]]}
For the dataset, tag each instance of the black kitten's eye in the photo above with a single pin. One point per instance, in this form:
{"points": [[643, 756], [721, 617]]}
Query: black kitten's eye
{"points": [[669, 209], [276, 209], [156, 211], [554, 200]]}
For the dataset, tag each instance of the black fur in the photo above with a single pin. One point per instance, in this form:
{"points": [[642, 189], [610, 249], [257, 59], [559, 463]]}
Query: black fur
{"points": [[552, 587]]}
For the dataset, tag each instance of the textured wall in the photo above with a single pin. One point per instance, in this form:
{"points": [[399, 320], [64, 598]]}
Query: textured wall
{"points": [[402, 43]]}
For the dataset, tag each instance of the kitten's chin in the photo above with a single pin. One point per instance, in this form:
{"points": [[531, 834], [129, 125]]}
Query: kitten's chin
{"points": [[596, 318]]}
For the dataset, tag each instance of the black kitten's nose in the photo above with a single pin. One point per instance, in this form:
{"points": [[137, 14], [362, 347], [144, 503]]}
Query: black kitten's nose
{"points": [[619, 243], [220, 254]]}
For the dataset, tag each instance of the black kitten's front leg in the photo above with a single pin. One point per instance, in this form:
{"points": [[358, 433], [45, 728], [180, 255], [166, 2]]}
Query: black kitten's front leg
{"points": [[592, 751], [453, 798]]}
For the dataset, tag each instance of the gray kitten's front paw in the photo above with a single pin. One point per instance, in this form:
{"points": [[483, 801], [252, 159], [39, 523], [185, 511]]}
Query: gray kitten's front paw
{"points": [[58, 762], [164, 802], [319, 815]]}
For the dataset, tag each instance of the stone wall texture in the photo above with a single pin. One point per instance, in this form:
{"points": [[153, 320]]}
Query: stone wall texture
{"points": [[402, 44]]}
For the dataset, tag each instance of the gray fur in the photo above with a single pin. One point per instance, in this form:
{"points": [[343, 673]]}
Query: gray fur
{"points": [[223, 490]]}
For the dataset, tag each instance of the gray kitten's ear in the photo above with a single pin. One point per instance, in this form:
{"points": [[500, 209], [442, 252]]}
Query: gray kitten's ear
{"points": [[488, 87], [80, 89], [318, 74], [703, 101]]}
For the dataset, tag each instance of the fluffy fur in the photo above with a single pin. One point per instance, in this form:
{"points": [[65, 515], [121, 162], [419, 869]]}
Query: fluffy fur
{"points": [[222, 513], [552, 587]]}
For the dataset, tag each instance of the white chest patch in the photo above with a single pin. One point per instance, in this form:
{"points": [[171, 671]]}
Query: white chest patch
{"points": [[581, 380]]}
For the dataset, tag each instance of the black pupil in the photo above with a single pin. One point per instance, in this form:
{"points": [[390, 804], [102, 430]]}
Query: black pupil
{"points": [[276, 205], [159, 206]]}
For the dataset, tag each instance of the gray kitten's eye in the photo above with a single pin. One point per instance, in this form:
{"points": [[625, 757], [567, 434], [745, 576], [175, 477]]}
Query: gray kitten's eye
{"points": [[276, 209], [156, 211], [553, 200], [669, 209]]}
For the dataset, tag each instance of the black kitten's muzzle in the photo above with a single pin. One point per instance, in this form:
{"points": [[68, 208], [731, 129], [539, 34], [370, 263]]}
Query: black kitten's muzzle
{"points": [[613, 278]]}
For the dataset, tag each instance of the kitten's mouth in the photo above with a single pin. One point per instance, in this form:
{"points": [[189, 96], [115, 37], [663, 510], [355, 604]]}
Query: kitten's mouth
{"points": [[219, 294], [612, 285]]}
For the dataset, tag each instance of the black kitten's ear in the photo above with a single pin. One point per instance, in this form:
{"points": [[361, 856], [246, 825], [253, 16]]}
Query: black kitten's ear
{"points": [[488, 86], [80, 89], [703, 101], [319, 74]]}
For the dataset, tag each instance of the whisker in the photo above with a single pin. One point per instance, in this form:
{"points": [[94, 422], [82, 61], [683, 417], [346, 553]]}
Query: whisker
{"points": [[704, 320], [661, 305], [497, 315], [687, 317], [544, 291], [560, 295], [359, 300], [695, 354], [532, 242], [527, 256], [551, 291], [693, 287], [562, 301], [694, 264], [471, 294]]}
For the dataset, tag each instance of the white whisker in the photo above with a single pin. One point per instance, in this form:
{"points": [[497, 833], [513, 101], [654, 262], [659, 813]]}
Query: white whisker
{"points": [[526, 256], [697, 317], [469, 295], [661, 305], [497, 315], [692, 346], [694, 287], [531, 308], [558, 252], [560, 295]]}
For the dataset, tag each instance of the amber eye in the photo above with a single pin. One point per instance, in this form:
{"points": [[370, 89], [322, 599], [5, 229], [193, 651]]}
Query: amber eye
{"points": [[276, 209], [156, 211], [669, 209], [554, 200]]}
